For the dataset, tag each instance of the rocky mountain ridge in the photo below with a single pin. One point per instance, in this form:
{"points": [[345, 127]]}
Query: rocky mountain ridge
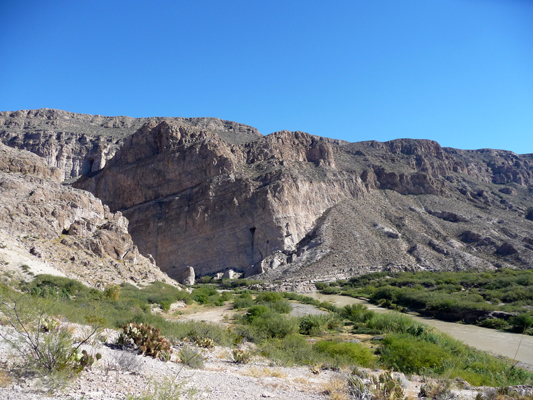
{"points": [[295, 206], [79, 144]]}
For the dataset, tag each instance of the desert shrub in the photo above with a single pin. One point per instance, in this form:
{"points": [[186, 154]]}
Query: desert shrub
{"points": [[191, 329], [281, 306], [243, 300], [46, 348], [391, 322], [292, 349], [56, 286], [148, 340], [112, 292], [154, 293], [357, 313], [521, 322], [205, 295], [165, 305], [206, 279], [331, 290], [314, 325], [345, 353], [255, 312], [276, 325], [268, 297], [169, 388], [191, 357], [250, 333], [412, 355], [494, 323]]}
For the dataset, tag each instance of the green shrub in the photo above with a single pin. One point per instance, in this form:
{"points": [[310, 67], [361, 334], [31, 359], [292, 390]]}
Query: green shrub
{"points": [[281, 306], [412, 355], [292, 349], [314, 325], [391, 322], [494, 323], [276, 325], [357, 313], [112, 292], [56, 286], [244, 300], [255, 312], [206, 279], [268, 297], [346, 353]]}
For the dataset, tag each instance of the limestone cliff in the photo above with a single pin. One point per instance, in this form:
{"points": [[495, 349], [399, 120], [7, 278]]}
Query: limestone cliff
{"points": [[79, 144], [215, 195], [64, 228], [195, 200]]}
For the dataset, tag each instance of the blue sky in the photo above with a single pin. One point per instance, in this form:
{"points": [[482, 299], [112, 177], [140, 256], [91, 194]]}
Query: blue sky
{"points": [[456, 71]]}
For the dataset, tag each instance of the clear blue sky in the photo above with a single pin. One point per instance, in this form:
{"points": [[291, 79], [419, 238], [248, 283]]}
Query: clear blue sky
{"points": [[456, 71]]}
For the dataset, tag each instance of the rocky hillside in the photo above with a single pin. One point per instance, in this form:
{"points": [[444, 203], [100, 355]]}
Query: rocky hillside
{"points": [[48, 227], [79, 144], [217, 195]]}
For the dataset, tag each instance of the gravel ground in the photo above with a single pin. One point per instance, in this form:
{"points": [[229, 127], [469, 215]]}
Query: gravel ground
{"points": [[120, 373]]}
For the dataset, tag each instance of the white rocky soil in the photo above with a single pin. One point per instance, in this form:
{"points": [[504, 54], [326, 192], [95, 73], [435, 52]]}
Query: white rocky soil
{"points": [[122, 372]]}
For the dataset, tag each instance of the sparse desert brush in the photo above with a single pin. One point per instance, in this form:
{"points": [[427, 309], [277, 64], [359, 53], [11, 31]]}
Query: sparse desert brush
{"points": [[336, 388], [46, 348], [257, 372]]}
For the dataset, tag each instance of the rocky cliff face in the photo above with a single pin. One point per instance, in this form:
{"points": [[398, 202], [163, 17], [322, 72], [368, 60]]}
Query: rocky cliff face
{"points": [[64, 228], [79, 144], [269, 205], [215, 195]]}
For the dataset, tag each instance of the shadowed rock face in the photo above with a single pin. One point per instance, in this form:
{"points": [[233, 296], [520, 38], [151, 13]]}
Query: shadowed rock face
{"points": [[215, 195]]}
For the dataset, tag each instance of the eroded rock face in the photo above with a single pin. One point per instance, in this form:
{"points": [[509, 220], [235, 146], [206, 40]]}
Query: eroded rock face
{"points": [[195, 200], [69, 229], [78, 144], [215, 195]]}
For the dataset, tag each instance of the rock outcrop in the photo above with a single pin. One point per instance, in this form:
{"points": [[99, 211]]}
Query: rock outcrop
{"points": [[215, 195], [78, 144], [67, 229]]}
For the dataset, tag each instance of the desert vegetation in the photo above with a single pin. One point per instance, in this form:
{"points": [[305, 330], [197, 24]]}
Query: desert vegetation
{"points": [[500, 299], [337, 338]]}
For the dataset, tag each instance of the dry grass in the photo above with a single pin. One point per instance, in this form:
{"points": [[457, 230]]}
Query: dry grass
{"points": [[5, 378], [336, 389], [300, 380], [264, 372]]}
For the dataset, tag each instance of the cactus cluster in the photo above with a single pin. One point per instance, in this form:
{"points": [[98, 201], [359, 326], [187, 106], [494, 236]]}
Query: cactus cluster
{"points": [[82, 360], [49, 324], [241, 356], [148, 340], [205, 342]]}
